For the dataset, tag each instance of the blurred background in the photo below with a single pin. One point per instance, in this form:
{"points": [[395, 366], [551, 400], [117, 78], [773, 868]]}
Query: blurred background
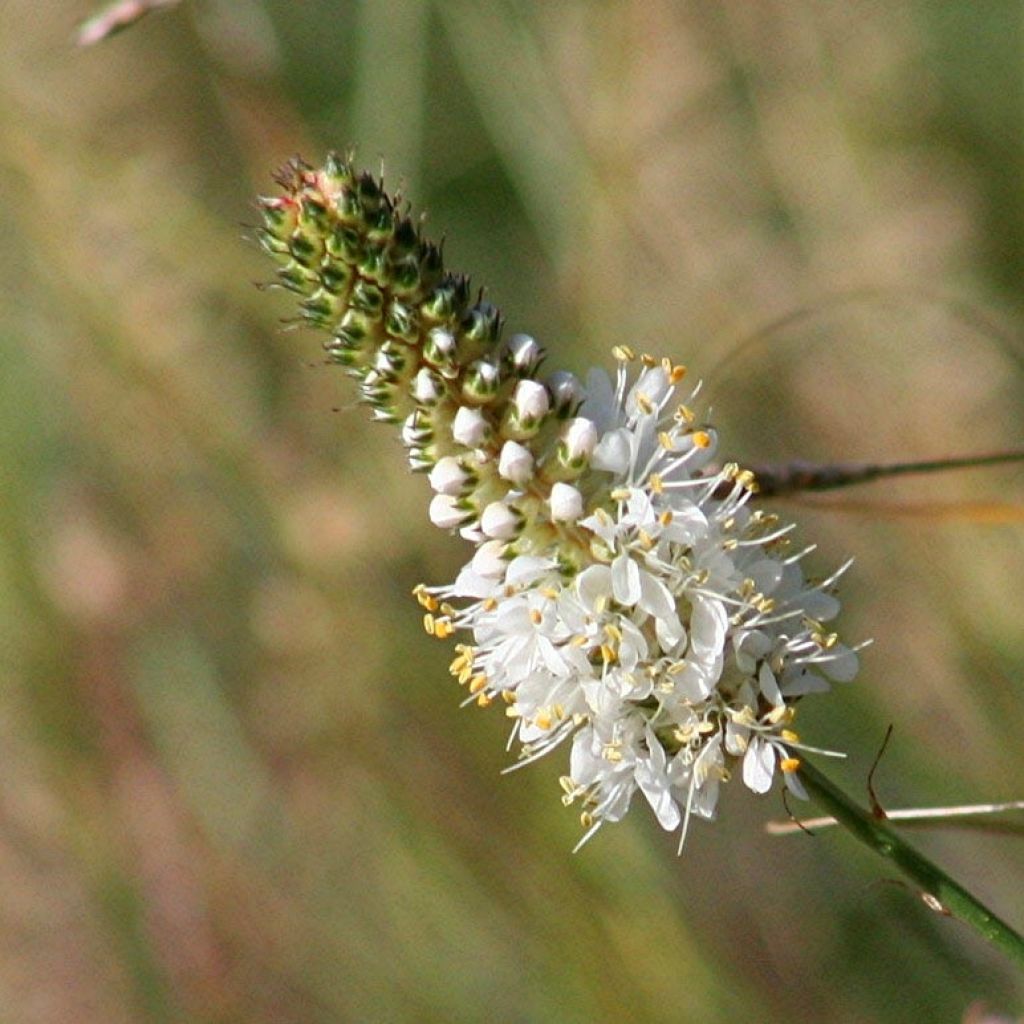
{"points": [[235, 781]]}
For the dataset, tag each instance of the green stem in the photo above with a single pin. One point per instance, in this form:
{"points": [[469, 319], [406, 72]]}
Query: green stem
{"points": [[933, 881]]}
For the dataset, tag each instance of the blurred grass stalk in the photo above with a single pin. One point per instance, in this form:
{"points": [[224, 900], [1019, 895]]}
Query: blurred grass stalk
{"points": [[115, 17]]}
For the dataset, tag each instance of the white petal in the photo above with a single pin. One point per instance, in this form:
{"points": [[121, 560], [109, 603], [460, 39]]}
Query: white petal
{"points": [[759, 765], [526, 568], [612, 452], [841, 665], [708, 625], [625, 580], [657, 600], [769, 687]]}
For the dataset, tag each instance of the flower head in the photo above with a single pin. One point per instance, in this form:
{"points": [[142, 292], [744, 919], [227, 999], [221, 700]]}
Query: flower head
{"points": [[625, 595]]}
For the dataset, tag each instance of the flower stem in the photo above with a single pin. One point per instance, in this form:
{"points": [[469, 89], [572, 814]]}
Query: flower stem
{"points": [[943, 892]]}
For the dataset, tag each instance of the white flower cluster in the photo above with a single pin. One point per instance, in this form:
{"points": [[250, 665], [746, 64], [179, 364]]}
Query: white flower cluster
{"points": [[667, 629]]}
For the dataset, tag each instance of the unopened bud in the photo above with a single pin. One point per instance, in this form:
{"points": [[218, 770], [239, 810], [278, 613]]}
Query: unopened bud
{"points": [[523, 354], [566, 503], [566, 392], [470, 427], [500, 521], [515, 463], [449, 476], [445, 513]]}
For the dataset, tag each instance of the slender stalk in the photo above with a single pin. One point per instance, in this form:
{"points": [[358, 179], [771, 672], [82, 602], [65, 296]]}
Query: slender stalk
{"points": [[928, 817], [797, 477], [940, 890]]}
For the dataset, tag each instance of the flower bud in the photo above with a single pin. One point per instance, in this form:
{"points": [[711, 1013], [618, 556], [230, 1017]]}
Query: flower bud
{"points": [[566, 392], [417, 429], [523, 354], [566, 503], [480, 383], [446, 514], [530, 404], [577, 443], [450, 477], [500, 521], [427, 387], [470, 427], [515, 463], [439, 348]]}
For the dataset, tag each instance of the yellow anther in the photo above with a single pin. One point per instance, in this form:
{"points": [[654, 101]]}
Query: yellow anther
{"points": [[648, 360], [623, 353], [586, 819], [443, 628], [542, 721], [579, 640], [460, 663], [657, 485], [747, 480], [426, 599], [646, 405], [790, 765], [620, 494], [702, 439], [684, 414], [535, 616], [509, 696], [666, 441], [490, 604], [483, 700], [612, 753], [789, 736], [608, 654], [549, 592], [558, 710], [477, 683], [512, 712], [568, 786], [729, 523], [665, 518], [676, 373], [766, 605], [428, 624], [645, 539], [731, 544], [613, 632]]}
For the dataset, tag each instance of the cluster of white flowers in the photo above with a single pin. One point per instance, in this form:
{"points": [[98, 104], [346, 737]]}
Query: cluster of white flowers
{"points": [[623, 593], [669, 632]]}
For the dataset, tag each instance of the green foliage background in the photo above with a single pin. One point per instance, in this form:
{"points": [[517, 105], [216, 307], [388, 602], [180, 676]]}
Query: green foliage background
{"points": [[235, 782]]}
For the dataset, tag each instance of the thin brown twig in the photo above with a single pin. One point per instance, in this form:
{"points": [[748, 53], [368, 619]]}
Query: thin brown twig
{"points": [[797, 477]]}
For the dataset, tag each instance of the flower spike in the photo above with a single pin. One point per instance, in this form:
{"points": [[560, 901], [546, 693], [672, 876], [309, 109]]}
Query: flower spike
{"points": [[625, 595]]}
